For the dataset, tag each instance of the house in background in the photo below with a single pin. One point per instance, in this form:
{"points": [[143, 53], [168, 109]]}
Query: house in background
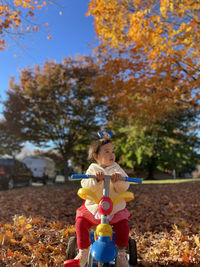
{"points": [[43, 168]]}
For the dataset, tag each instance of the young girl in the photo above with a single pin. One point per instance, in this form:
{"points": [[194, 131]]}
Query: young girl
{"points": [[102, 151]]}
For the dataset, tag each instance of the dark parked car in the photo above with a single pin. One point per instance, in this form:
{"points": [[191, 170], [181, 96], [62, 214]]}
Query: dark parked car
{"points": [[13, 173]]}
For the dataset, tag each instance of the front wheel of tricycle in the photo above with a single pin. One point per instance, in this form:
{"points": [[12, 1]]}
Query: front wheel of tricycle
{"points": [[94, 263]]}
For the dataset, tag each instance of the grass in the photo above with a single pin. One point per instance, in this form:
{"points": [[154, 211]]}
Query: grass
{"points": [[170, 181]]}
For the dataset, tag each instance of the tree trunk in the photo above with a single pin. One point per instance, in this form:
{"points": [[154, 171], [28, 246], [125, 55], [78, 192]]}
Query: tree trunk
{"points": [[66, 170], [151, 169], [83, 168]]}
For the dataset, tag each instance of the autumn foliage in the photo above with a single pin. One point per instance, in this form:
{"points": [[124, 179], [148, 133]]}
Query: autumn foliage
{"points": [[36, 223], [149, 53], [17, 17]]}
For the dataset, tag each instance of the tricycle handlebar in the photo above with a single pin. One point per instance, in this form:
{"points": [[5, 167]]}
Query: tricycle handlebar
{"points": [[86, 176]]}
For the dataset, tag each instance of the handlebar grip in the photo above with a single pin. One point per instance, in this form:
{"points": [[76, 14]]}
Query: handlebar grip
{"points": [[133, 180], [79, 176]]}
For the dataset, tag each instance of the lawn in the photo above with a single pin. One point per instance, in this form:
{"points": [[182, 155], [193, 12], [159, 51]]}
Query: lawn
{"points": [[170, 181]]}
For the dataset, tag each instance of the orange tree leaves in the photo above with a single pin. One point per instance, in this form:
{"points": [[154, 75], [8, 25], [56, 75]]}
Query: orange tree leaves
{"points": [[18, 16], [169, 26], [149, 54]]}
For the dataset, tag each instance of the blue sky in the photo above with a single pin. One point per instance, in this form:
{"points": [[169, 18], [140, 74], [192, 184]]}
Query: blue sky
{"points": [[71, 32]]}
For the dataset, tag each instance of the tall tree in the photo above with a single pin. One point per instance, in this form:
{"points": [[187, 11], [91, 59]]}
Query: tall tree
{"points": [[149, 55], [172, 143], [55, 104]]}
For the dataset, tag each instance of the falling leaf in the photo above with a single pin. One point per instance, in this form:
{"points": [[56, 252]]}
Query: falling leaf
{"points": [[49, 36]]}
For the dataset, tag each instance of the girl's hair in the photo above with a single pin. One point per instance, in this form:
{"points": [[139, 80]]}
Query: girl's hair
{"points": [[96, 145]]}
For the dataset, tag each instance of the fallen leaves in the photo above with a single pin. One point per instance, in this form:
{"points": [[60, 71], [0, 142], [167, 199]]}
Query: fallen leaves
{"points": [[32, 230], [36, 223], [166, 224], [24, 241]]}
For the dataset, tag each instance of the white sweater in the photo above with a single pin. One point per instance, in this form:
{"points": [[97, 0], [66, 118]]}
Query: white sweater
{"points": [[97, 187]]}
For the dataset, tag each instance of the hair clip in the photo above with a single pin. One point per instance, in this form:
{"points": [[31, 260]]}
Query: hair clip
{"points": [[105, 134]]}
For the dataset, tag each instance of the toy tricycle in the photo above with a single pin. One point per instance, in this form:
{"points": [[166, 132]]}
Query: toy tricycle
{"points": [[103, 250]]}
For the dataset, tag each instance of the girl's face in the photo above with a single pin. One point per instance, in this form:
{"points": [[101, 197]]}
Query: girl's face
{"points": [[106, 155]]}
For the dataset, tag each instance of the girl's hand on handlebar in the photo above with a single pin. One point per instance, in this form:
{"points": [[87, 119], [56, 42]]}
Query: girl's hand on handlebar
{"points": [[115, 177], [99, 176]]}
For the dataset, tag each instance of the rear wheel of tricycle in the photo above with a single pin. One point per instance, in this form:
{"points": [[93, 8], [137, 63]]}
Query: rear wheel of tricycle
{"points": [[71, 250], [132, 251]]}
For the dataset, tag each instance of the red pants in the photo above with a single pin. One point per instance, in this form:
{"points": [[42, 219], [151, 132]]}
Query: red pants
{"points": [[121, 230]]}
